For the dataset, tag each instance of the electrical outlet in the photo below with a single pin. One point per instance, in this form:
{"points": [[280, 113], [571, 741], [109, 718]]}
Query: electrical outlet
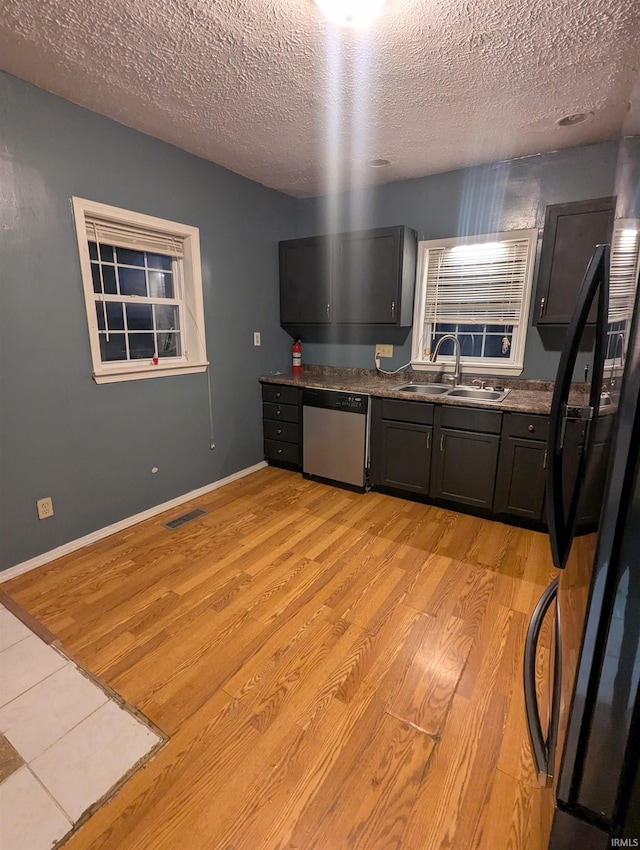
{"points": [[45, 507], [384, 350], [256, 338]]}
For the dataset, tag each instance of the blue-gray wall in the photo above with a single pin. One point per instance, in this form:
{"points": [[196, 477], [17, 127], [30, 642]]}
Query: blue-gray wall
{"points": [[91, 448], [485, 199]]}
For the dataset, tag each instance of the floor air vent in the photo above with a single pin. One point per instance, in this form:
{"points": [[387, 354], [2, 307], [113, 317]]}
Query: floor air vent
{"points": [[182, 520]]}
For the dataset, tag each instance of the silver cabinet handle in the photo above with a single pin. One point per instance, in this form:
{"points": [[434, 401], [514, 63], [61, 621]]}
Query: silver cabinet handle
{"points": [[544, 459], [542, 303], [441, 442], [531, 428], [393, 309], [278, 412], [328, 311], [278, 395], [428, 439], [279, 431]]}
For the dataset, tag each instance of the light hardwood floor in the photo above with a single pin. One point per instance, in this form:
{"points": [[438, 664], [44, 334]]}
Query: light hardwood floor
{"points": [[334, 670]]}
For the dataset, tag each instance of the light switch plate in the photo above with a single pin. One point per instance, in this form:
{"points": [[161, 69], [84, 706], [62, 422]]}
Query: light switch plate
{"points": [[384, 350]]}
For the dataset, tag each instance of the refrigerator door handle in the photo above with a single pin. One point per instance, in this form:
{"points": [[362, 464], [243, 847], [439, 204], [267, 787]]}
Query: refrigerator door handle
{"points": [[543, 747], [562, 524]]}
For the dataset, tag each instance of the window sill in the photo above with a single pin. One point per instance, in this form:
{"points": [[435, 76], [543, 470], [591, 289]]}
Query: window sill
{"points": [[477, 368], [109, 376]]}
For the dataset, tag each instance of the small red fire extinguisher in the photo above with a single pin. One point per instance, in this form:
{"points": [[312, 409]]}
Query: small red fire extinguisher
{"points": [[297, 357]]}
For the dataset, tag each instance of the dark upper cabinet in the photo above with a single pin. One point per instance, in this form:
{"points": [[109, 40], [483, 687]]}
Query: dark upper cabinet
{"points": [[375, 277], [306, 271], [361, 278], [571, 233]]}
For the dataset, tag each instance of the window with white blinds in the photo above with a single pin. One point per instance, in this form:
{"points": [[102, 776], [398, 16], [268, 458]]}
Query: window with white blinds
{"points": [[625, 260], [477, 284], [623, 283], [479, 290], [143, 293]]}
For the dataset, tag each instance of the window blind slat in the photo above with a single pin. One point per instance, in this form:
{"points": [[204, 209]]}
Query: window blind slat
{"points": [[126, 236]]}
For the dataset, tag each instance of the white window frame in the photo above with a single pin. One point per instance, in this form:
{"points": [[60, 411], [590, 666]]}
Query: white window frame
{"points": [[421, 341], [193, 356]]}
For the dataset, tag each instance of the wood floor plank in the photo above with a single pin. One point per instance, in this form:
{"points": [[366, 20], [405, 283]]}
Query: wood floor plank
{"points": [[424, 696], [371, 813], [296, 643], [458, 776], [506, 820]]}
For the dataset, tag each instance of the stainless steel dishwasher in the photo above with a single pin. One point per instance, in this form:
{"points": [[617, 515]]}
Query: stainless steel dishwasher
{"points": [[335, 435]]}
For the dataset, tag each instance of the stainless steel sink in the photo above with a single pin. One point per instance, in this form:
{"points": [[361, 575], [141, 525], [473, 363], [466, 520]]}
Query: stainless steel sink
{"points": [[477, 394], [424, 389]]}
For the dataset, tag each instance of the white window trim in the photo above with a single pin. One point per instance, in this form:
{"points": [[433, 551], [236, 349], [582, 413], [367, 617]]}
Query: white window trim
{"points": [[194, 357], [483, 365]]}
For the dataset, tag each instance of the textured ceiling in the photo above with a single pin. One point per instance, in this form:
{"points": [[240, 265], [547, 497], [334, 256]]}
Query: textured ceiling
{"points": [[272, 91]]}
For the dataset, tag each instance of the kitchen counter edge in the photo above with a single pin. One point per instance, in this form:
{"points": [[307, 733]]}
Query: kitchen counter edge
{"points": [[534, 401]]}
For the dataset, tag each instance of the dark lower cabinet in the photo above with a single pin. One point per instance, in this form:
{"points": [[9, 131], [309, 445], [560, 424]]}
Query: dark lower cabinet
{"points": [[465, 455], [281, 420], [522, 467], [442, 452], [464, 467], [595, 474], [468, 456], [401, 437], [402, 456]]}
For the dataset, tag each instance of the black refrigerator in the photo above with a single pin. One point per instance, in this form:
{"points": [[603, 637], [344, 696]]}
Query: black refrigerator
{"points": [[582, 653]]}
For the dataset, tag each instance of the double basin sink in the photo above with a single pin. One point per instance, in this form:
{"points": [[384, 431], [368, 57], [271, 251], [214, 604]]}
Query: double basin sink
{"points": [[442, 390]]}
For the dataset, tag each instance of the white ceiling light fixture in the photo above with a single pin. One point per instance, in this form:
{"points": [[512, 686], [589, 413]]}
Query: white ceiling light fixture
{"points": [[350, 13]]}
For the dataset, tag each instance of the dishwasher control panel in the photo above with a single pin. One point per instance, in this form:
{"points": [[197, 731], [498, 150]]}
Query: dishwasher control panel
{"points": [[335, 400]]}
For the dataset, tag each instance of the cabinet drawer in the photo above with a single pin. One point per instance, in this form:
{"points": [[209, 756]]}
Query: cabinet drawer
{"points": [[280, 394], [421, 413], [288, 432], [526, 426], [471, 419], [288, 452], [284, 412]]}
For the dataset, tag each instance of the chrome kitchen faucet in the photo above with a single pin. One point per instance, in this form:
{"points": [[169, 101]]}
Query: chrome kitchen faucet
{"points": [[434, 355]]}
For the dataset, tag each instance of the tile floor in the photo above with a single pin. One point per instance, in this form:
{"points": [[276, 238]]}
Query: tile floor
{"points": [[74, 740]]}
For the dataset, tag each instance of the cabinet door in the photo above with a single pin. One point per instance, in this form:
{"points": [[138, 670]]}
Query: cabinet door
{"points": [[520, 485], [375, 277], [571, 233], [464, 467], [401, 455], [305, 281], [592, 490]]}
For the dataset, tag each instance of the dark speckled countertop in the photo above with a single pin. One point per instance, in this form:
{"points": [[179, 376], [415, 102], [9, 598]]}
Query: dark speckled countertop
{"points": [[525, 396]]}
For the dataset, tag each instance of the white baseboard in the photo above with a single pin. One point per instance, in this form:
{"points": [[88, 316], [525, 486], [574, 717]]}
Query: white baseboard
{"points": [[73, 545]]}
